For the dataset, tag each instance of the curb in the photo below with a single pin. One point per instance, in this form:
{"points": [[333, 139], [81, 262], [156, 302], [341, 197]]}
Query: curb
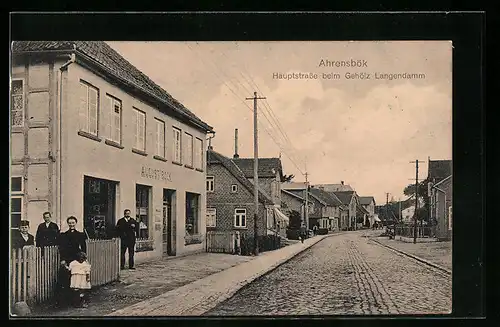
{"points": [[432, 264], [210, 299]]}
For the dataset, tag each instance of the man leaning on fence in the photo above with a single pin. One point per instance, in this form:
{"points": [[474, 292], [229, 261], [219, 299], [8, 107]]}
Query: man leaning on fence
{"points": [[47, 233], [21, 237], [127, 228]]}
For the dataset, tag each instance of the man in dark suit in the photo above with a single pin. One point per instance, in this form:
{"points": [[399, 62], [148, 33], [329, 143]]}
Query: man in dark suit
{"points": [[21, 237], [127, 228], [47, 233]]}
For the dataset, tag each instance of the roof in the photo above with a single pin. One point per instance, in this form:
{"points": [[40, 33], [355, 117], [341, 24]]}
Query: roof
{"points": [[293, 194], [310, 195], [442, 181], [345, 197], [335, 187], [105, 57], [329, 198], [267, 167], [293, 186], [360, 208], [217, 158], [439, 169], [366, 200]]}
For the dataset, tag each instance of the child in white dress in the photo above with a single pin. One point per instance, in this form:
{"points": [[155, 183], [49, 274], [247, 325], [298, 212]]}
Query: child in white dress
{"points": [[80, 277]]}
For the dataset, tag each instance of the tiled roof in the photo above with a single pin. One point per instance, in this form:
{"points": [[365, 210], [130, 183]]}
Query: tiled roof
{"points": [[117, 66], [300, 193], [295, 195], [265, 167], [439, 169], [329, 198], [293, 186], [345, 197], [217, 158], [366, 200], [335, 187]]}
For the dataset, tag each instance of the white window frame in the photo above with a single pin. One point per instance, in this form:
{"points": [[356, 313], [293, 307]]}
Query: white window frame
{"points": [[16, 195], [113, 129], [177, 145], [234, 188], [23, 101], [189, 147], [199, 153], [85, 119], [137, 130], [240, 213], [211, 217], [160, 133], [210, 184]]}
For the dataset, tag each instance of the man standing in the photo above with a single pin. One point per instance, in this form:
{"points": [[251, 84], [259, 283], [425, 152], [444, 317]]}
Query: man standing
{"points": [[21, 237], [47, 233], [127, 228]]}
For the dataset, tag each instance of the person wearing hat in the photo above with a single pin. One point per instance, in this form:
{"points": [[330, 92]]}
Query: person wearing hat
{"points": [[21, 237]]}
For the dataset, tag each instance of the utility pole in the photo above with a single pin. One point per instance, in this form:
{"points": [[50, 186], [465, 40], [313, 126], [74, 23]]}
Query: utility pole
{"points": [[306, 212], [387, 206], [415, 216], [255, 174]]}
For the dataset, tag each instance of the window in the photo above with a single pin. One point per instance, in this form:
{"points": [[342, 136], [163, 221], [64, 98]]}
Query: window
{"points": [[114, 114], [89, 108], [240, 217], [198, 153], [189, 150], [211, 217], [142, 208], [234, 188], [176, 155], [16, 201], [140, 130], [210, 183], [17, 103], [270, 218], [192, 214], [160, 138]]}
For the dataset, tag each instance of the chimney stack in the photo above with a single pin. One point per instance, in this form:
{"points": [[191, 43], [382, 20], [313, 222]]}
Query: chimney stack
{"points": [[342, 182], [236, 155]]}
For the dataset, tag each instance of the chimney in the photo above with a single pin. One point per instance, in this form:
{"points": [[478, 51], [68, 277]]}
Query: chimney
{"points": [[236, 156], [342, 182]]}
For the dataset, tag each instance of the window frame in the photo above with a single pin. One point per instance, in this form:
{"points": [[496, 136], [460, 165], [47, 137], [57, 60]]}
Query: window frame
{"points": [[208, 179], [211, 212], [199, 162], [189, 140], [16, 195], [137, 113], [86, 129], [23, 95], [110, 123], [177, 150], [239, 215], [158, 124]]}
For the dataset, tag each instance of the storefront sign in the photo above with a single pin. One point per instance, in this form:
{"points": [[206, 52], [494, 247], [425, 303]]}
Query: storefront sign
{"points": [[157, 174]]}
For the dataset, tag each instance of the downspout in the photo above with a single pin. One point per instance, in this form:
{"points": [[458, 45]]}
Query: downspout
{"points": [[63, 68]]}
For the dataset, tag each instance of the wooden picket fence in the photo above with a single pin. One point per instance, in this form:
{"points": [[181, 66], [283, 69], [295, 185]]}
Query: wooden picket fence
{"points": [[34, 271], [223, 242]]}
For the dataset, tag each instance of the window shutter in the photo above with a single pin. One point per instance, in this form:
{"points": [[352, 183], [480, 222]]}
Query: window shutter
{"points": [[93, 109], [108, 116], [83, 111], [136, 128], [117, 112], [162, 139]]}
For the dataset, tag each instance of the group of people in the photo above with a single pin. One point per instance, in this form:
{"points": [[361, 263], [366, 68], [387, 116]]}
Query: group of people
{"points": [[74, 273]]}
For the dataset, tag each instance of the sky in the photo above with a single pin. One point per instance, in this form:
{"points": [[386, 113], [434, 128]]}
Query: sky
{"points": [[336, 125]]}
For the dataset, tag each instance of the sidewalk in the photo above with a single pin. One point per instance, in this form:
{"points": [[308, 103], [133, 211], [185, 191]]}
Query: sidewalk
{"points": [[202, 295], [439, 253]]}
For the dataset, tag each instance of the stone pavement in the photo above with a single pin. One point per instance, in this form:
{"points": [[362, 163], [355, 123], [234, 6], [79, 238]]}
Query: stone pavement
{"points": [[202, 295], [344, 275], [439, 253], [150, 279]]}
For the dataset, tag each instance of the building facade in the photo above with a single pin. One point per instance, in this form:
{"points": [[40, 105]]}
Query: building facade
{"points": [[368, 203], [98, 137], [351, 202], [441, 208]]}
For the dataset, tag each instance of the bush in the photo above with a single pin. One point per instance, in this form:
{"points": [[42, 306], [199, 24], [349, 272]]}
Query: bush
{"points": [[322, 231], [266, 243], [292, 234]]}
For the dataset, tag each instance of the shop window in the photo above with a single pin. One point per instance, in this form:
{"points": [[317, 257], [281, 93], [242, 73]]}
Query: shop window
{"points": [[99, 210], [142, 199], [192, 213], [17, 103]]}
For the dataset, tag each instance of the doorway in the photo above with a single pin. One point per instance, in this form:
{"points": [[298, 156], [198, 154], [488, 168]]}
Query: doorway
{"points": [[99, 200], [168, 225]]}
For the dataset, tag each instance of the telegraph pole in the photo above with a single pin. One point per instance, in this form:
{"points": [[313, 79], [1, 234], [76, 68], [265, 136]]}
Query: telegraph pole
{"points": [[306, 212], [387, 206], [255, 174], [415, 216]]}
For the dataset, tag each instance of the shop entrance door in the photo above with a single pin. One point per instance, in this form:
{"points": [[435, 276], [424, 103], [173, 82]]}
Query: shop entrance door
{"points": [[168, 226], [99, 198]]}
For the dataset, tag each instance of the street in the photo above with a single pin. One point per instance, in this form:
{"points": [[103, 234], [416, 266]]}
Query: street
{"points": [[344, 274]]}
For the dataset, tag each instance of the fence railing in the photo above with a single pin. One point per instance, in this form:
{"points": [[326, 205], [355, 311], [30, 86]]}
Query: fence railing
{"points": [[34, 271], [223, 242], [422, 232]]}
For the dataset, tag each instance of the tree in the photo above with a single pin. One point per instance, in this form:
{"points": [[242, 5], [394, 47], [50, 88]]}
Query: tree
{"points": [[288, 178], [423, 213], [295, 219]]}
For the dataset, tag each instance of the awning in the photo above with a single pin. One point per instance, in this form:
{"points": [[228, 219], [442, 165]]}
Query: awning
{"points": [[281, 215], [377, 218]]}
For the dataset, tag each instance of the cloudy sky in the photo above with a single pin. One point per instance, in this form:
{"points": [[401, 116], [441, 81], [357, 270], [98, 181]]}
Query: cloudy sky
{"points": [[362, 131]]}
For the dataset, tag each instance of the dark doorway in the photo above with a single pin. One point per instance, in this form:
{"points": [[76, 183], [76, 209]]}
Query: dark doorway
{"points": [[168, 217], [99, 201]]}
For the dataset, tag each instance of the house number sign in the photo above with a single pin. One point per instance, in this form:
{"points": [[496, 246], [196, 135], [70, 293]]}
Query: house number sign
{"points": [[157, 174]]}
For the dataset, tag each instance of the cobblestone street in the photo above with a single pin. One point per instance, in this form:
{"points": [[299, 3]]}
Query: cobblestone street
{"points": [[344, 274]]}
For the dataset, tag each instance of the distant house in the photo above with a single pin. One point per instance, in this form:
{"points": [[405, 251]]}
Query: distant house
{"points": [[350, 200], [441, 207], [335, 187], [408, 209], [230, 200], [331, 211], [291, 201], [368, 203], [315, 204]]}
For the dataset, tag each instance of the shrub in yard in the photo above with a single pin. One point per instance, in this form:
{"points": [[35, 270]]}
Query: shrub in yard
{"points": [[322, 231], [266, 243], [293, 234]]}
